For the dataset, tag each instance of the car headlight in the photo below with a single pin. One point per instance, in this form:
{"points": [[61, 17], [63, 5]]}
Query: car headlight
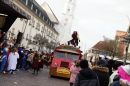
{"points": [[55, 64]]}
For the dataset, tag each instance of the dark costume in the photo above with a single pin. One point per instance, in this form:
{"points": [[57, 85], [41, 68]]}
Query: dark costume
{"points": [[37, 63], [75, 39], [103, 75]]}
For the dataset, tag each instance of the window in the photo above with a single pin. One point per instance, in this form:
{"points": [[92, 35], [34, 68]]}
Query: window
{"points": [[27, 36], [47, 21], [36, 11], [68, 10], [60, 54], [40, 14], [21, 19], [13, 30], [43, 17], [26, 2], [32, 7], [33, 22], [73, 56], [30, 21], [38, 26], [42, 29]]}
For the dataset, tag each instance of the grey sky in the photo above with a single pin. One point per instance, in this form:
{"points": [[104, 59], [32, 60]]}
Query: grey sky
{"points": [[94, 19]]}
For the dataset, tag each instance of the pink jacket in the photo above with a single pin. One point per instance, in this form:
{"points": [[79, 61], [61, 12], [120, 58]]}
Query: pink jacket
{"points": [[74, 71]]}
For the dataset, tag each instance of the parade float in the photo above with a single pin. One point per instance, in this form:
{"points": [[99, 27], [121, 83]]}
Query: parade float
{"points": [[64, 57]]}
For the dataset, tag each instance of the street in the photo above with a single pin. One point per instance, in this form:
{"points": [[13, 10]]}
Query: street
{"points": [[26, 78]]}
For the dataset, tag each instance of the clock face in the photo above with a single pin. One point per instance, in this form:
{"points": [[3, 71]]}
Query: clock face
{"points": [[66, 20]]}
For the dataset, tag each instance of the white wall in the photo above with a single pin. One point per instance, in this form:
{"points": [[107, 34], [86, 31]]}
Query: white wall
{"points": [[19, 25]]}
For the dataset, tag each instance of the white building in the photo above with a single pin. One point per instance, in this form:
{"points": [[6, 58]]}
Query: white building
{"points": [[64, 27], [40, 23]]}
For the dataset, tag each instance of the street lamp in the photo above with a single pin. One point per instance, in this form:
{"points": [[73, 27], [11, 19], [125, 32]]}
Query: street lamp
{"points": [[126, 40]]}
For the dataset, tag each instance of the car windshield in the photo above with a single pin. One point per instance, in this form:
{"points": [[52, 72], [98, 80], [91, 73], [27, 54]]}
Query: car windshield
{"points": [[73, 56], [60, 54]]}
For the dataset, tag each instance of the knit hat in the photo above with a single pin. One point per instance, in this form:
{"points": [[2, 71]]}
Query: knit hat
{"points": [[116, 65], [126, 69], [124, 72], [76, 63], [84, 64]]}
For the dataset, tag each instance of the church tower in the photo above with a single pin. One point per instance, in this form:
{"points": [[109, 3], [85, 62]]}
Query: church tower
{"points": [[68, 16]]}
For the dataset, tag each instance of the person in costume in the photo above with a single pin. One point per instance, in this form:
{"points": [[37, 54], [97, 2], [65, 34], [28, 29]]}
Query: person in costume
{"points": [[75, 39], [37, 62], [4, 58], [12, 61], [24, 59], [21, 55]]}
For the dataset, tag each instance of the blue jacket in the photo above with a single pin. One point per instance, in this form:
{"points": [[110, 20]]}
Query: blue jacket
{"points": [[115, 83]]}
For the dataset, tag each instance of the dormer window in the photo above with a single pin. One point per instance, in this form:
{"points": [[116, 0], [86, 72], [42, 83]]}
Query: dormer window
{"points": [[40, 14], [68, 10], [36, 11], [13, 30], [26, 2], [43, 17], [32, 7]]}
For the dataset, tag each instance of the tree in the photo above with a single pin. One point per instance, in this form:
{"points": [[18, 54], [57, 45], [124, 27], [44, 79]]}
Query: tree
{"points": [[111, 47], [40, 41]]}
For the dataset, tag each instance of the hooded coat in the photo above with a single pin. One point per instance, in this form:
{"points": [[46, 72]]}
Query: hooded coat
{"points": [[86, 77], [103, 75], [74, 71]]}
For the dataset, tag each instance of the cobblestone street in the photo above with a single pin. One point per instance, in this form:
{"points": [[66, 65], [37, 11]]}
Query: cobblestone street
{"points": [[26, 78]]}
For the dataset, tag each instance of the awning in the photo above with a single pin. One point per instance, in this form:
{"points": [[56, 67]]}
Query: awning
{"points": [[9, 8]]}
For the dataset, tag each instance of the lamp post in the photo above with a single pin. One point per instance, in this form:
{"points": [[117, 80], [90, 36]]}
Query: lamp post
{"points": [[126, 40]]}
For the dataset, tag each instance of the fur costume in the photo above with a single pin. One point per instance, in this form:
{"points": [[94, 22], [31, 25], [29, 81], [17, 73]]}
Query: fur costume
{"points": [[75, 39]]}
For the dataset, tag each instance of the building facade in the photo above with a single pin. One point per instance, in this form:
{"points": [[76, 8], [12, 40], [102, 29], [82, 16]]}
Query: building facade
{"points": [[36, 30], [120, 35]]}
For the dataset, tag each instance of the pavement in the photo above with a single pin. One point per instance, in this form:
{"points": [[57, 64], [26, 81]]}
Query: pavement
{"points": [[26, 78]]}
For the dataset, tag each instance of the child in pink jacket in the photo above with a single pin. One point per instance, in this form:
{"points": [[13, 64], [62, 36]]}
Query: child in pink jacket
{"points": [[74, 69]]}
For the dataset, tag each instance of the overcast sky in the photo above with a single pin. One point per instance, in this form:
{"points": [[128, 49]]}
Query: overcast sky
{"points": [[94, 19]]}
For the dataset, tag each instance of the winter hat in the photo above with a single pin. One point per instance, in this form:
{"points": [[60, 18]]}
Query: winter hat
{"points": [[84, 64], [116, 65], [100, 62], [126, 69], [76, 63], [124, 72]]}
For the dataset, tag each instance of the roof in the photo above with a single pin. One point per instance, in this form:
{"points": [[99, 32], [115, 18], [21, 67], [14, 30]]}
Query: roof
{"points": [[98, 45], [38, 10], [120, 33], [50, 13]]}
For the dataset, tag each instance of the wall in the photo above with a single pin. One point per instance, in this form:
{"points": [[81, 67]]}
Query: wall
{"points": [[30, 29]]}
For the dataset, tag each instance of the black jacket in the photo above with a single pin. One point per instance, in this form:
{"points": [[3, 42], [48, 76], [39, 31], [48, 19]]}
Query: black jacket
{"points": [[86, 77], [103, 75]]}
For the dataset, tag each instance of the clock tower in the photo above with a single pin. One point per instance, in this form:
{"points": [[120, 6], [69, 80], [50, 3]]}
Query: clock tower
{"points": [[67, 19]]}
